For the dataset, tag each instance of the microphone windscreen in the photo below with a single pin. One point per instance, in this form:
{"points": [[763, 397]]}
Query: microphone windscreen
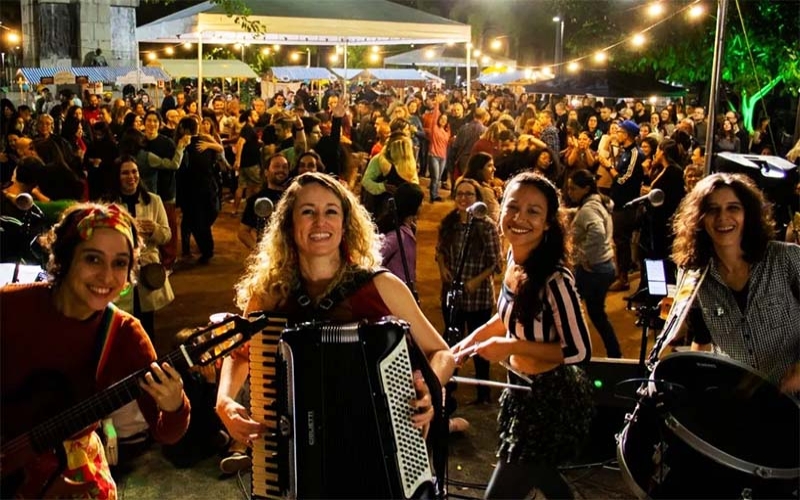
{"points": [[656, 197], [479, 210], [263, 207], [24, 201]]}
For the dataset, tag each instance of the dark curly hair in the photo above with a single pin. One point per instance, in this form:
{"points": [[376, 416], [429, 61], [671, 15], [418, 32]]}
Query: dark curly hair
{"points": [[553, 251], [693, 248]]}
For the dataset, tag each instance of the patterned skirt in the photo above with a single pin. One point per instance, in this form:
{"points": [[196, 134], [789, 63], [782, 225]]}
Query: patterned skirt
{"points": [[551, 422]]}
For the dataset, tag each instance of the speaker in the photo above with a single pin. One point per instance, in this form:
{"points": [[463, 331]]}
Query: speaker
{"points": [[776, 176], [613, 399]]}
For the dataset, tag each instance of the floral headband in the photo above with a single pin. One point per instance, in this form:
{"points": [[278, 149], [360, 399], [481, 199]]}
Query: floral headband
{"points": [[110, 217]]}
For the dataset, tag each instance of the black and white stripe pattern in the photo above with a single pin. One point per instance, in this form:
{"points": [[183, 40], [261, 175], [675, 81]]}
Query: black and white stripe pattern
{"points": [[561, 319]]}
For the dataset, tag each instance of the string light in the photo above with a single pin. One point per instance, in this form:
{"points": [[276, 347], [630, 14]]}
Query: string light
{"points": [[696, 11], [600, 56], [375, 49], [638, 40], [655, 9], [169, 51], [573, 66]]}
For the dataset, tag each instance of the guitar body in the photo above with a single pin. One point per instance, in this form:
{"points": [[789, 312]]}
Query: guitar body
{"points": [[43, 394]]}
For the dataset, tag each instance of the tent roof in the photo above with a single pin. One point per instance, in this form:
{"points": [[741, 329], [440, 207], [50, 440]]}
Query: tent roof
{"points": [[212, 68], [513, 77], [606, 83], [308, 22], [105, 74], [441, 56], [300, 73], [371, 74]]}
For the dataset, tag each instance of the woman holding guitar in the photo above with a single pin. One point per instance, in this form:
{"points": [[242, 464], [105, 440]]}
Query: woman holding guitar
{"points": [[63, 342]]}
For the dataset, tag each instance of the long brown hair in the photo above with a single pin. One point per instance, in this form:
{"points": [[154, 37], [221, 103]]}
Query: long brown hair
{"points": [[693, 248]]}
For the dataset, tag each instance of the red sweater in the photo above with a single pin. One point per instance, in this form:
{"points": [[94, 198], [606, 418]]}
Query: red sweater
{"points": [[36, 338]]}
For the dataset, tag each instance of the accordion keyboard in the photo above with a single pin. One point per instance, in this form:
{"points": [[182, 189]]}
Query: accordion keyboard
{"points": [[266, 477]]}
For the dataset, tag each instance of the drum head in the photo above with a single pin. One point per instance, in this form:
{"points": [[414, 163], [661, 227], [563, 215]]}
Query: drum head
{"points": [[731, 407]]}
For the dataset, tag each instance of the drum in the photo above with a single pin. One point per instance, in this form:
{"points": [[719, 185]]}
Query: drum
{"points": [[710, 427]]}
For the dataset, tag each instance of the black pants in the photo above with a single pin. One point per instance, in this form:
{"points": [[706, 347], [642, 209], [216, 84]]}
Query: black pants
{"points": [[468, 322], [198, 220], [624, 226], [517, 479]]}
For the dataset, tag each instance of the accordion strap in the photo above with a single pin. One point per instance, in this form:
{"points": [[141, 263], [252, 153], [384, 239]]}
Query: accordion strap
{"points": [[338, 294]]}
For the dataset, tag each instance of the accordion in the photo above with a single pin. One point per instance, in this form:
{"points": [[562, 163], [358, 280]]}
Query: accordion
{"points": [[335, 401]]}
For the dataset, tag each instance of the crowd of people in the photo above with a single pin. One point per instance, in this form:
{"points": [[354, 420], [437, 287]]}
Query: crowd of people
{"points": [[344, 187]]}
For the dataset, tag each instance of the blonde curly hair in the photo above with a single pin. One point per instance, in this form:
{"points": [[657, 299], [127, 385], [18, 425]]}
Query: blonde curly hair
{"points": [[273, 270]]}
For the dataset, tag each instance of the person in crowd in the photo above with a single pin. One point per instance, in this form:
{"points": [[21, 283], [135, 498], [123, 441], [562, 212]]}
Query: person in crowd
{"points": [[593, 253], [388, 170], [252, 225], [248, 158], [93, 251], [580, 155], [539, 328], [725, 140], [545, 162], [308, 162], [480, 168], [321, 244], [198, 189], [439, 138], [748, 305], [691, 176], [481, 262], [408, 199], [99, 160], [627, 176], [655, 232], [153, 290]]}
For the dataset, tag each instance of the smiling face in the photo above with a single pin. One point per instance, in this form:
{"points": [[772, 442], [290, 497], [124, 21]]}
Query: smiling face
{"points": [[724, 219], [465, 195], [318, 221], [97, 274], [523, 219], [128, 177]]}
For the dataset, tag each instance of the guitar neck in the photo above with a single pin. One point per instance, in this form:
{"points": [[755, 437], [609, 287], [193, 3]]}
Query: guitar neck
{"points": [[54, 430]]}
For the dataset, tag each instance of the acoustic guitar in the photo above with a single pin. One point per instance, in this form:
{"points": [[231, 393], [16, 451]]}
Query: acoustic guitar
{"points": [[31, 462]]}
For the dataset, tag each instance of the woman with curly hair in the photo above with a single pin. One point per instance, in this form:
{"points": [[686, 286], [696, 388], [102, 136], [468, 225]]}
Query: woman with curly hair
{"points": [[748, 305], [539, 328], [319, 258]]}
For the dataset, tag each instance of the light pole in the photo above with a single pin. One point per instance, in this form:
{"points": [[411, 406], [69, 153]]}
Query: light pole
{"points": [[559, 50]]}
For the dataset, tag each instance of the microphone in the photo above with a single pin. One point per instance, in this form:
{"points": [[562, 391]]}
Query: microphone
{"points": [[263, 207], [478, 210], [24, 202], [654, 197]]}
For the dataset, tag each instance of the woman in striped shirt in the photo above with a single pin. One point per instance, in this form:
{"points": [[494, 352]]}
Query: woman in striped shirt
{"points": [[540, 329]]}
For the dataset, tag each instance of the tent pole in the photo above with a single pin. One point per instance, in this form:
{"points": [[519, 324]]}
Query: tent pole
{"points": [[719, 55], [469, 69], [199, 70], [346, 86]]}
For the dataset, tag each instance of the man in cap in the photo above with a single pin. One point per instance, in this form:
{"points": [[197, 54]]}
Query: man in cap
{"points": [[627, 177]]}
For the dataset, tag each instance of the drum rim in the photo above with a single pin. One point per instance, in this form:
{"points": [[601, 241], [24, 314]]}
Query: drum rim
{"points": [[627, 475], [725, 458], [708, 449]]}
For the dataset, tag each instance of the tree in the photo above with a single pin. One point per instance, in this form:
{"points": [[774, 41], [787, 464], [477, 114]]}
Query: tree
{"points": [[682, 51]]}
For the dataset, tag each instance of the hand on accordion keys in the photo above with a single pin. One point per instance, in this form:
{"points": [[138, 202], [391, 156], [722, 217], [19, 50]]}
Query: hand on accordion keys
{"points": [[423, 405], [237, 420]]}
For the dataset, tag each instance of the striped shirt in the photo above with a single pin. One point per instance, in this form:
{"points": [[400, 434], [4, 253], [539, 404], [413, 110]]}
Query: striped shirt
{"points": [[561, 319], [765, 334]]}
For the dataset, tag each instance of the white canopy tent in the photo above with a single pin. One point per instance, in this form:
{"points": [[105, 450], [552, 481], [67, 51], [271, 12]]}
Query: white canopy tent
{"points": [[305, 22], [443, 56], [216, 68]]}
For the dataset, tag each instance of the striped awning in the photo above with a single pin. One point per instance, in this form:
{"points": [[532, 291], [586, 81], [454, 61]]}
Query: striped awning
{"points": [[105, 74]]}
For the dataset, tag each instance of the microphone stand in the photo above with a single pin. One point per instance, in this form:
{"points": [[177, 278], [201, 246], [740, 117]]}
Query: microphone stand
{"points": [[396, 223], [456, 293], [24, 238]]}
